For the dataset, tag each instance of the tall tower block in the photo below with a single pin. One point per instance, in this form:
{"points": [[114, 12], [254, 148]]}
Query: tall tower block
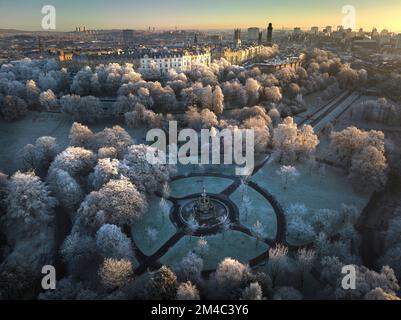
{"points": [[237, 37], [270, 32]]}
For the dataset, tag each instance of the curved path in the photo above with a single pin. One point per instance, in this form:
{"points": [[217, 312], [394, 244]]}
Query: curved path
{"points": [[152, 262]]}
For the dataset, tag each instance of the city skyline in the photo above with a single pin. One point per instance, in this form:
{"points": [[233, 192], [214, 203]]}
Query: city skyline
{"points": [[198, 15]]}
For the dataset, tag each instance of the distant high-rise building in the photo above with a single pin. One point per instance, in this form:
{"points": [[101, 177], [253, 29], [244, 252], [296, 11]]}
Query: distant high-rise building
{"points": [[314, 30], [80, 29], [270, 32], [398, 44], [329, 29], [260, 38], [128, 37], [361, 33], [375, 34], [297, 31], [237, 37], [40, 45], [196, 39], [253, 34]]}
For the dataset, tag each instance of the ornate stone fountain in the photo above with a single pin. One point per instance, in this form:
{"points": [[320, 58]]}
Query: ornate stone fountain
{"points": [[204, 209]]}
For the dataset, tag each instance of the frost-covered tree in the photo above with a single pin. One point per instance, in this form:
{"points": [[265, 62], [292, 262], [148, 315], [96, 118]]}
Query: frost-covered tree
{"points": [[272, 94], [85, 109], [217, 100], [352, 140], [187, 291], [287, 174], [41, 154], [116, 137], [162, 284], [189, 268], [48, 100], [105, 170], [205, 119], [300, 230], [369, 168], [80, 136], [124, 104], [192, 225], [277, 262], [258, 229], [115, 273], [76, 161], [274, 114], [294, 90], [79, 252], [107, 152], [55, 80], [66, 189], [363, 153], [147, 176], [306, 143], [229, 276], [203, 246], [163, 97], [284, 139], [380, 110], [112, 243], [252, 292], [293, 144], [117, 202], [32, 94], [206, 97], [261, 132], [379, 294], [246, 113], [13, 108], [285, 75], [69, 102], [141, 116], [82, 81], [305, 262], [29, 199], [348, 77], [252, 88]]}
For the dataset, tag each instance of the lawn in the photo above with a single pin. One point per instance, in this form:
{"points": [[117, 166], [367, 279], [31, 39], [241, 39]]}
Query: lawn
{"points": [[234, 244]]}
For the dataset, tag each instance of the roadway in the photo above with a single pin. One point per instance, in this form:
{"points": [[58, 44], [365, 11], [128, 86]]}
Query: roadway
{"points": [[330, 111]]}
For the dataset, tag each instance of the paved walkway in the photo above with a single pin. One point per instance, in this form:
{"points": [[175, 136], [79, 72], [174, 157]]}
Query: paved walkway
{"points": [[152, 262]]}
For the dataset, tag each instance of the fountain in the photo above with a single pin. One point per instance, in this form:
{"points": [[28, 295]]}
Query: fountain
{"points": [[203, 209], [207, 210]]}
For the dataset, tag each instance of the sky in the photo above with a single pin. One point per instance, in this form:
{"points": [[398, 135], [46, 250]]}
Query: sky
{"points": [[198, 14]]}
